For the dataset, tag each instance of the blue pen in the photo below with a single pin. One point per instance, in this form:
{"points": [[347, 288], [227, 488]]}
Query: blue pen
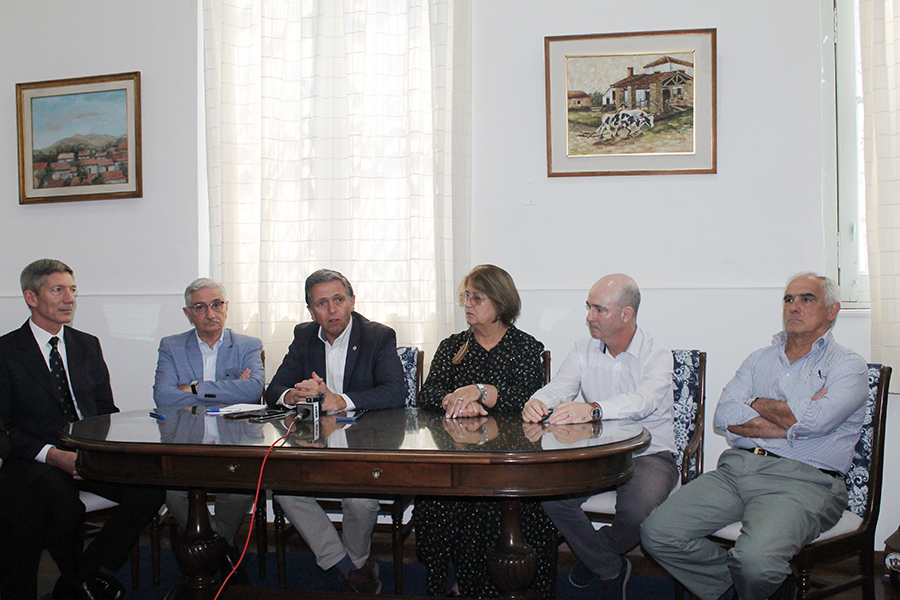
{"points": [[158, 416]]}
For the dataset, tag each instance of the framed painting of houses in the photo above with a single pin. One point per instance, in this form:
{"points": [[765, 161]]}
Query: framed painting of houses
{"points": [[631, 103], [79, 139]]}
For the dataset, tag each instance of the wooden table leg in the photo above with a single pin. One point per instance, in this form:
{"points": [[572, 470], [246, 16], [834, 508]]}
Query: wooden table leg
{"points": [[513, 566], [199, 553]]}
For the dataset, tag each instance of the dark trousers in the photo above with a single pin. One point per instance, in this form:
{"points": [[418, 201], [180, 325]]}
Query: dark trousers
{"points": [[53, 518], [21, 541]]}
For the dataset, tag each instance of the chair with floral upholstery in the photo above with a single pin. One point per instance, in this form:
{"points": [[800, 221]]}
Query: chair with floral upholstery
{"points": [[689, 391]]}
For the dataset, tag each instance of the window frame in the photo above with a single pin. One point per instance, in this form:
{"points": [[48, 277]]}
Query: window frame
{"points": [[840, 160]]}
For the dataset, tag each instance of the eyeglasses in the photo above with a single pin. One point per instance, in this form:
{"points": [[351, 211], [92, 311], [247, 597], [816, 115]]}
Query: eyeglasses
{"points": [[476, 299], [217, 306]]}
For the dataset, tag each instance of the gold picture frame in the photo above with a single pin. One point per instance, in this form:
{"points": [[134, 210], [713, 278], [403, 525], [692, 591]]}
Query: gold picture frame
{"points": [[640, 103], [79, 138]]}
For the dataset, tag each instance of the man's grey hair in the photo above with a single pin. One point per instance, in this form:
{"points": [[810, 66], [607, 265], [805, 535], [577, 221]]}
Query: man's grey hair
{"points": [[829, 286], [199, 284], [324, 276], [35, 275], [630, 295]]}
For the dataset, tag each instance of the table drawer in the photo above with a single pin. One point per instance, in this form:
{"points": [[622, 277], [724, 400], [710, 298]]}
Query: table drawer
{"points": [[382, 474]]}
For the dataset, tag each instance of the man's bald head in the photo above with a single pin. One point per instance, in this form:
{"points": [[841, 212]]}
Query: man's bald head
{"points": [[623, 288]]}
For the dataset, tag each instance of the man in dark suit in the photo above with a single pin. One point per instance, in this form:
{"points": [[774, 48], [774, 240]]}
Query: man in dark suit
{"points": [[51, 375], [352, 364]]}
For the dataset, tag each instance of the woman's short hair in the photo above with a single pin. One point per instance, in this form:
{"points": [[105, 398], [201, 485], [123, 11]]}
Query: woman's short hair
{"points": [[34, 275], [324, 276], [498, 285]]}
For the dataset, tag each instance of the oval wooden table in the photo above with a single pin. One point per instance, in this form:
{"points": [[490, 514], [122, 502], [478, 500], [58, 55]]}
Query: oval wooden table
{"points": [[388, 452]]}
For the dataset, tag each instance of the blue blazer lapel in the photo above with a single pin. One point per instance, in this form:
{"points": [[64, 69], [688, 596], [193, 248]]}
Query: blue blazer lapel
{"points": [[195, 359], [223, 359]]}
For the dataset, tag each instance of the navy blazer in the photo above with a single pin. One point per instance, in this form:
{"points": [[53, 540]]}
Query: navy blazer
{"points": [[29, 402], [180, 362], [373, 377]]}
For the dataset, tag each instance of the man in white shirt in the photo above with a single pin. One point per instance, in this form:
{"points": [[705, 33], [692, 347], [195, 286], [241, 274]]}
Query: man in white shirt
{"points": [[352, 364], [620, 372], [210, 365]]}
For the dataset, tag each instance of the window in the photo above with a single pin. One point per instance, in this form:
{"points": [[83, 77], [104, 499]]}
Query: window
{"points": [[843, 168]]}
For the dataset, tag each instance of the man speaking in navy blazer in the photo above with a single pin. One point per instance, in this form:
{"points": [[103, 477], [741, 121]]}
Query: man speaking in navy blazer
{"points": [[353, 364], [51, 375], [210, 365]]}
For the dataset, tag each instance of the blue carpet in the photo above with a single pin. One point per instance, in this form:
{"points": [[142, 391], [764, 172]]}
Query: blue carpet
{"points": [[302, 573]]}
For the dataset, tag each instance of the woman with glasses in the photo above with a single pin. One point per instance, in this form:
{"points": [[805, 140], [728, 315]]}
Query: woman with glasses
{"points": [[490, 367]]}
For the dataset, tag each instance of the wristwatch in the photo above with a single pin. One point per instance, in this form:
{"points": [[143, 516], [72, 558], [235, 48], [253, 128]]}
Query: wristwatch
{"points": [[482, 393], [194, 387], [596, 412]]}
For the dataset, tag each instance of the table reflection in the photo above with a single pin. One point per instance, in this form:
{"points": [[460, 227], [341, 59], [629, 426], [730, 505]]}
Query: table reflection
{"points": [[381, 430]]}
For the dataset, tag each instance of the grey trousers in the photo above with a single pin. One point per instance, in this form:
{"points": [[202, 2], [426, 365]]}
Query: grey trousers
{"points": [[360, 515], [654, 477], [783, 504], [230, 511]]}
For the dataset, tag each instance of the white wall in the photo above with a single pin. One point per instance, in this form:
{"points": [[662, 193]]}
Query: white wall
{"points": [[132, 258], [710, 252]]}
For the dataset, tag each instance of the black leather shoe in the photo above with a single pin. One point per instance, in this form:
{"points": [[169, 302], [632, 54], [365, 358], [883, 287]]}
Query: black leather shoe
{"points": [[101, 586], [363, 580]]}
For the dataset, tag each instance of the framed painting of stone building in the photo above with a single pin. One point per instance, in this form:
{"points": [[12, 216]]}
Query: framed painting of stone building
{"points": [[631, 103], [79, 139]]}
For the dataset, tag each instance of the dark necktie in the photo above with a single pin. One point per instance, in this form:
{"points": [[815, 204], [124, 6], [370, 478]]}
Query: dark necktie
{"points": [[58, 375]]}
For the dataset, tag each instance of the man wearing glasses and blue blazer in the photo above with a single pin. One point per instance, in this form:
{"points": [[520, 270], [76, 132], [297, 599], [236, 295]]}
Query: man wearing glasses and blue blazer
{"points": [[210, 365]]}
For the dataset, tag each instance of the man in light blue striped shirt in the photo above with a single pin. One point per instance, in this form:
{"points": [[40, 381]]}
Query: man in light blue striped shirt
{"points": [[793, 413]]}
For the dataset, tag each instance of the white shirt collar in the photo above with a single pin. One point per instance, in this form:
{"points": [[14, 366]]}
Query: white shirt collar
{"points": [[206, 347], [341, 340], [42, 336]]}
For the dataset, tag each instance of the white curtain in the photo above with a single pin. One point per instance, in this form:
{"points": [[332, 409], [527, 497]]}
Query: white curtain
{"points": [[338, 137], [880, 47]]}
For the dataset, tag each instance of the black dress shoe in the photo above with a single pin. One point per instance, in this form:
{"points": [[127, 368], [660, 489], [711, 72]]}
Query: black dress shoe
{"points": [[101, 586]]}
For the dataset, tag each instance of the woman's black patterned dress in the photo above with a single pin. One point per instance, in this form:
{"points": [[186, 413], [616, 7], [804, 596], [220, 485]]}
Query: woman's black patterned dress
{"points": [[465, 531]]}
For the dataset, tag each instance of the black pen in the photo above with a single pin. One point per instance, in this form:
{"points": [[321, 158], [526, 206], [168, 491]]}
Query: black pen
{"points": [[157, 416]]}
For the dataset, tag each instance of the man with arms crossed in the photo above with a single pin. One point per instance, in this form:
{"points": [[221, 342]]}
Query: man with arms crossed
{"points": [[50, 376], [621, 373], [210, 364], [793, 413], [353, 363]]}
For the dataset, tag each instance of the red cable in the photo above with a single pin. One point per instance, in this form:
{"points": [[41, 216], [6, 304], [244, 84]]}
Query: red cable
{"points": [[255, 500]]}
